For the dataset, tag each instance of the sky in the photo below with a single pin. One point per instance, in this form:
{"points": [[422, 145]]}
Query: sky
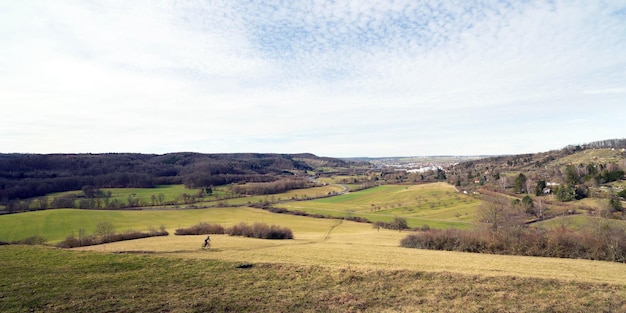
{"points": [[333, 78]]}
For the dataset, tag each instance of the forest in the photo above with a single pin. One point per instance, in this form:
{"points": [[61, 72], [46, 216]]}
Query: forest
{"points": [[25, 176]]}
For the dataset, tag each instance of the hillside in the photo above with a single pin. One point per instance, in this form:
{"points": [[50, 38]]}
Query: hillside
{"points": [[572, 165], [30, 175]]}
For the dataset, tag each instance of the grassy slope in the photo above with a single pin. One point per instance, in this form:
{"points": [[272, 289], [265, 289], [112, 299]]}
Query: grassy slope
{"points": [[170, 192], [434, 204], [413, 202], [359, 246], [55, 225], [577, 221], [291, 194], [331, 265], [44, 279], [333, 243], [591, 156]]}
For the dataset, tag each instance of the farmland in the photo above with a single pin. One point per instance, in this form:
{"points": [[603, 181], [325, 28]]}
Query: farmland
{"points": [[331, 265], [318, 242], [437, 205]]}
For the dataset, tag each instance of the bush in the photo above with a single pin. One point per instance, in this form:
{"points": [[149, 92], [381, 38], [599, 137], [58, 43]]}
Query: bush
{"points": [[599, 240], [130, 235], [201, 229], [260, 230], [398, 223], [90, 240], [34, 240]]}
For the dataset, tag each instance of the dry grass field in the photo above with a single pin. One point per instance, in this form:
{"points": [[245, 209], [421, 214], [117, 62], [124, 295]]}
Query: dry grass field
{"points": [[341, 244], [331, 266]]}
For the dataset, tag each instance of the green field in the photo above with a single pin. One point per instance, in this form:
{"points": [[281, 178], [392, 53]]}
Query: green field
{"points": [[327, 242], [56, 225], [170, 193], [438, 205], [314, 192], [220, 194]]}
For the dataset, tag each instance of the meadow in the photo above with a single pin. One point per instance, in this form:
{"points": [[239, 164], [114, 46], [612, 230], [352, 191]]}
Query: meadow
{"points": [[56, 225], [326, 242], [220, 195], [169, 192], [331, 265], [437, 205], [39, 279]]}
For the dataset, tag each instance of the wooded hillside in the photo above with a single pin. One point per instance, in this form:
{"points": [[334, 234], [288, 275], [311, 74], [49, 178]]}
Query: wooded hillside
{"points": [[30, 175]]}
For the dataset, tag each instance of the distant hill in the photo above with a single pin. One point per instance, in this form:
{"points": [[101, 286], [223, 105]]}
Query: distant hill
{"points": [[574, 164], [29, 175]]}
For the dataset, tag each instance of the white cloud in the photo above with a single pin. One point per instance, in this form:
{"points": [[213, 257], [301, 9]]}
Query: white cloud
{"points": [[333, 78]]}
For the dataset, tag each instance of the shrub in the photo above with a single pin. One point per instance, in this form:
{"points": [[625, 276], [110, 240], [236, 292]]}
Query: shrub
{"points": [[90, 240], [398, 223], [260, 230], [357, 219], [201, 229], [69, 242], [34, 240]]}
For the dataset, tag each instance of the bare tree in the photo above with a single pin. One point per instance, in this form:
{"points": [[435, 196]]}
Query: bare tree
{"points": [[492, 212], [501, 216], [503, 182], [105, 230], [530, 183]]}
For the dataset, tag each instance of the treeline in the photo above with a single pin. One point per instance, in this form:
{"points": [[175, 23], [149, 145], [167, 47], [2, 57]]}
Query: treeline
{"points": [[268, 188], [608, 143], [25, 176]]}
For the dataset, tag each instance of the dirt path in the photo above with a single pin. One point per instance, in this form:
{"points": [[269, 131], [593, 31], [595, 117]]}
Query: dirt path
{"points": [[331, 229]]}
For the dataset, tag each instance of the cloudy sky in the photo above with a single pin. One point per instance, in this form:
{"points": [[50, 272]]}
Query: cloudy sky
{"points": [[334, 78]]}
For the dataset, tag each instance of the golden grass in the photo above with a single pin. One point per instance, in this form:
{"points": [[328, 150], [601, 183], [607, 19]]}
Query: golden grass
{"points": [[357, 245]]}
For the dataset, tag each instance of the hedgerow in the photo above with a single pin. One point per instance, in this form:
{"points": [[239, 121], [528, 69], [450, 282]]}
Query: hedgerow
{"points": [[260, 230], [201, 229], [90, 240], [604, 242]]}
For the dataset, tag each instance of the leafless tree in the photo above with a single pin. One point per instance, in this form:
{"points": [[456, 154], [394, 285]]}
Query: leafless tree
{"points": [[105, 230]]}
